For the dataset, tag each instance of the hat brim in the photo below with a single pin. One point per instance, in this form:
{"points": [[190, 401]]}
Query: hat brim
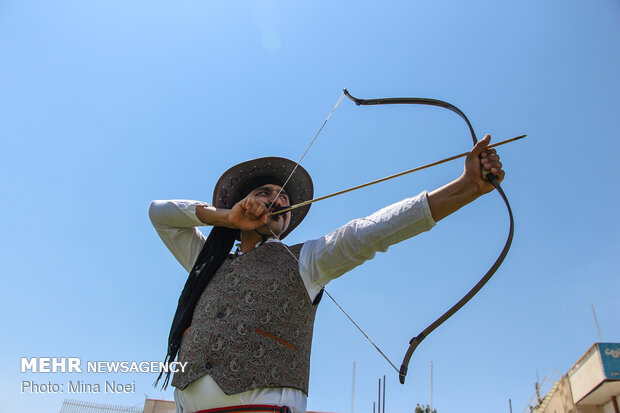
{"points": [[236, 179]]}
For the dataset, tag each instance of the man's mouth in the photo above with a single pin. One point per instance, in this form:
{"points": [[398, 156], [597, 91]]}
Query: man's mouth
{"points": [[276, 209]]}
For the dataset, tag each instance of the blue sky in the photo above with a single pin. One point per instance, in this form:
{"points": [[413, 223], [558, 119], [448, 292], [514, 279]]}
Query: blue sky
{"points": [[107, 105]]}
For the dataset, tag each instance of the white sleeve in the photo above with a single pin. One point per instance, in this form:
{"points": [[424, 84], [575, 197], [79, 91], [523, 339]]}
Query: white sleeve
{"points": [[175, 221], [328, 257]]}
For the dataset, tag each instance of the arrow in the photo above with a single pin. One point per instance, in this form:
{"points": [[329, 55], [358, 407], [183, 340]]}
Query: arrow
{"points": [[387, 178]]}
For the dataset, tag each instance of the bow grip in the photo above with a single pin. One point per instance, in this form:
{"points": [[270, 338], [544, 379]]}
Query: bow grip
{"points": [[488, 176], [485, 174]]}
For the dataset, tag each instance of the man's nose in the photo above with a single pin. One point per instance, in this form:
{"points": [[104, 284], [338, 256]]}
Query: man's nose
{"points": [[277, 202]]}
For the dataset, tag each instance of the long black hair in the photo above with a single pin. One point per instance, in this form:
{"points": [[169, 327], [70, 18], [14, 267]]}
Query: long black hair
{"points": [[215, 250]]}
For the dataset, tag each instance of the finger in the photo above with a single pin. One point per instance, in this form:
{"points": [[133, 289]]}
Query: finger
{"points": [[243, 204], [250, 207], [489, 158], [495, 168], [257, 209], [260, 210], [489, 166], [488, 152], [499, 173], [480, 146]]}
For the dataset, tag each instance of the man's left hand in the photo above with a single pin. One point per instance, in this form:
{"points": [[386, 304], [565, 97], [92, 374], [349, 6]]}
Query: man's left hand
{"points": [[481, 158]]}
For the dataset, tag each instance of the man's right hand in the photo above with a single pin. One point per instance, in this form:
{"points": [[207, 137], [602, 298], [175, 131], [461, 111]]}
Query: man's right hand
{"points": [[246, 215]]}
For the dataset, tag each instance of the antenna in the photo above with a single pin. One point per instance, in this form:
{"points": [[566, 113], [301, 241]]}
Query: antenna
{"points": [[596, 321], [537, 386]]}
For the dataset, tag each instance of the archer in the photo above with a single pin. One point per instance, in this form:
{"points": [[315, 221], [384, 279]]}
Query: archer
{"points": [[244, 320]]}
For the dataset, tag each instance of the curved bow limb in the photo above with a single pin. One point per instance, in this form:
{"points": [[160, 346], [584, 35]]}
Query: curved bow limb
{"points": [[413, 344], [413, 101]]}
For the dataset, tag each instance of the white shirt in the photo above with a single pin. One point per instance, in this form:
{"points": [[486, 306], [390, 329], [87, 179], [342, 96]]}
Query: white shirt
{"points": [[320, 261]]}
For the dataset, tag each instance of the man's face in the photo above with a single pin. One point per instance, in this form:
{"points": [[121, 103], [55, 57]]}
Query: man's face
{"points": [[266, 194]]}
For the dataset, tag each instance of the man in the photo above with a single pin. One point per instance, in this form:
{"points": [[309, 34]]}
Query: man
{"points": [[244, 321]]}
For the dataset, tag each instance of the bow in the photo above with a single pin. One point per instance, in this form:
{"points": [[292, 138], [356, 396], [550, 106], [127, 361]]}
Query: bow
{"points": [[415, 341]]}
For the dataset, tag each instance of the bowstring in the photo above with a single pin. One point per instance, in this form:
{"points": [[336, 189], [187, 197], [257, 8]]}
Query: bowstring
{"points": [[307, 149]]}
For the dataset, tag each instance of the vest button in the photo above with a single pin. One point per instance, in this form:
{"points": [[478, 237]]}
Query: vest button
{"points": [[220, 315], [208, 366]]}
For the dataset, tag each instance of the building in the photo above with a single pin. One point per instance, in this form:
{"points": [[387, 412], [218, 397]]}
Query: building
{"points": [[159, 406], [592, 385]]}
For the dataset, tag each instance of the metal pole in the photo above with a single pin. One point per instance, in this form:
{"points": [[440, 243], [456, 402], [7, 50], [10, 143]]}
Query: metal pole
{"points": [[379, 402], [510, 405], [596, 321], [384, 393], [431, 385], [353, 391]]}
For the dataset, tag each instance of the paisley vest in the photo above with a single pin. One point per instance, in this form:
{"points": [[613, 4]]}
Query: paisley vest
{"points": [[252, 327]]}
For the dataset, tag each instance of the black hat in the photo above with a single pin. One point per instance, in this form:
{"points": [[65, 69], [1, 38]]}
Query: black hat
{"points": [[239, 180]]}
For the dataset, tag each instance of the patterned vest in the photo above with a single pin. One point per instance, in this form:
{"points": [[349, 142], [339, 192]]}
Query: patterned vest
{"points": [[252, 327]]}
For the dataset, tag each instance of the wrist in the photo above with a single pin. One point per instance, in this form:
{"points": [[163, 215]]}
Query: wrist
{"points": [[469, 188], [451, 197], [219, 217], [225, 218]]}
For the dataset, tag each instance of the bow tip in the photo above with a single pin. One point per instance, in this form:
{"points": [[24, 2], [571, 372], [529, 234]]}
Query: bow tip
{"points": [[354, 99], [402, 374]]}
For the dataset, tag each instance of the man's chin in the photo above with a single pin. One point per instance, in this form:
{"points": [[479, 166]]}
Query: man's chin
{"points": [[272, 230], [269, 231]]}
